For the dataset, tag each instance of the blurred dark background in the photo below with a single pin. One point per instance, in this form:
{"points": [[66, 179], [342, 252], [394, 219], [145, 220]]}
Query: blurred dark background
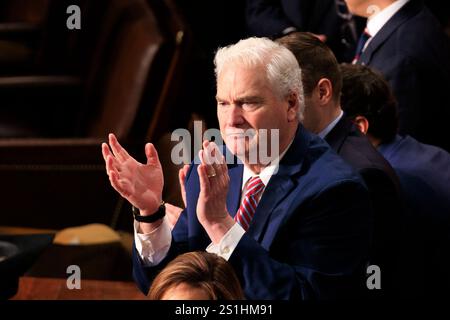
{"points": [[137, 68]]}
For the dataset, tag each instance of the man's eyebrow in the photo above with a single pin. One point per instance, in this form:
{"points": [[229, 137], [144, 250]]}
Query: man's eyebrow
{"points": [[244, 99], [249, 98]]}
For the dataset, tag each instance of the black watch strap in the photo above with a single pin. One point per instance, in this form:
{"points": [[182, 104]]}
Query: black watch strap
{"points": [[151, 218]]}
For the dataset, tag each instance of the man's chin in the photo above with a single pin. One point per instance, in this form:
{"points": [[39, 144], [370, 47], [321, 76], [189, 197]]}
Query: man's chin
{"points": [[244, 153], [235, 148]]}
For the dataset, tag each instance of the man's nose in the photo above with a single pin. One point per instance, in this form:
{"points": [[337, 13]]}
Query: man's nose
{"points": [[235, 116]]}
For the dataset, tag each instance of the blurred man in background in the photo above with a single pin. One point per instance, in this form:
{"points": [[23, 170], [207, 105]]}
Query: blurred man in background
{"points": [[424, 173]]}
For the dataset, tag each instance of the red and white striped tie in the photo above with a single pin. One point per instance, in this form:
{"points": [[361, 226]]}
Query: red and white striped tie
{"points": [[247, 209]]}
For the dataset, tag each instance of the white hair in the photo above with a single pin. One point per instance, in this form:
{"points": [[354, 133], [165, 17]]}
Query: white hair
{"points": [[282, 68]]}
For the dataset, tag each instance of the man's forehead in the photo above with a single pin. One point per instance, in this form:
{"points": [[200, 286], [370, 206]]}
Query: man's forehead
{"points": [[243, 68], [241, 90], [241, 75]]}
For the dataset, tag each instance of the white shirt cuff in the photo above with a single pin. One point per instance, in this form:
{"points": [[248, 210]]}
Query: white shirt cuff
{"points": [[154, 246], [228, 243]]}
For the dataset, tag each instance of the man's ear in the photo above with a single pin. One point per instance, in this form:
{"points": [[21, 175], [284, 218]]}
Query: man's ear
{"points": [[325, 91], [293, 107], [362, 123]]}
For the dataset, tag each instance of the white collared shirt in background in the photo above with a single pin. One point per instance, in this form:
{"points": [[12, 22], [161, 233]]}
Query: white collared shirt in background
{"points": [[330, 127], [380, 18]]}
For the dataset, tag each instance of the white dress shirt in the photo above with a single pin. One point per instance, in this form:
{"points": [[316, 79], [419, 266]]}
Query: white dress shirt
{"points": [[379, 19], [330, 127], [153, 247]]}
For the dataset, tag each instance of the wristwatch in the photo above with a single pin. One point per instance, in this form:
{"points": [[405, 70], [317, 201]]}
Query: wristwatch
{"points": [[151, 218]]}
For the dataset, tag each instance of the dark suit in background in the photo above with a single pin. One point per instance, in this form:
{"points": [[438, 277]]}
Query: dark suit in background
{"points": [[413, 54], [424, 173], [383, 185], [309, 238], [269, 18]]}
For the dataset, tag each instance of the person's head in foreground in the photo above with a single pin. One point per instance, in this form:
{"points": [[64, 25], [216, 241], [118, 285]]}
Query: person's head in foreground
{"points": [[368, 100], [197, 276]]}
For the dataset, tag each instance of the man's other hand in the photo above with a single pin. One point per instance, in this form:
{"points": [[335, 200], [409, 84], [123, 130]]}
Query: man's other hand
{"points": [[141, 184]]}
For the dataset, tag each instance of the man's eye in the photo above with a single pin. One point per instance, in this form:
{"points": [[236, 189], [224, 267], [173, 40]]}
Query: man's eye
{"points": [[249, 105]]}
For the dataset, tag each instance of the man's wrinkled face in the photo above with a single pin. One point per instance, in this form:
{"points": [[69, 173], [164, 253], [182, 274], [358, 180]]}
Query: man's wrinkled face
{"points": [[246, 105]]}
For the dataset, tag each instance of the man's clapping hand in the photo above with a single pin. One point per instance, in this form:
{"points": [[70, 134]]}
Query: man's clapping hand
{"points": [[141, 184]]}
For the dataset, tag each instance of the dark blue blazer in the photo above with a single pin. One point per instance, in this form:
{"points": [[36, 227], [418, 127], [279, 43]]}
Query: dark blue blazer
{"points": [[310, 235], [385, 193], [413, 54], [268, 18], [424, 173], [428, 163]]}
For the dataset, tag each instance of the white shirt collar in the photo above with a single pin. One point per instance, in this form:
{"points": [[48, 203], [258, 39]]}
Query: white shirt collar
{"points": [[378, 20], [330, 127], [267, 172]]}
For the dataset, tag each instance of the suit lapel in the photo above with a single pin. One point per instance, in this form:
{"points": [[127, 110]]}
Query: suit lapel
{"points": [[280, 185], [404, 14], [278, 188]]}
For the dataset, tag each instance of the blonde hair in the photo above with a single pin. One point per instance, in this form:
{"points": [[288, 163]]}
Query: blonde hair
{"points": [[203, 270], [281, 66]]}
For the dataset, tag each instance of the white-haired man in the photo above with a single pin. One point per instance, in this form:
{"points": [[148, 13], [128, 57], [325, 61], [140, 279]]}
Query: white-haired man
{"points": [[296, 228]]}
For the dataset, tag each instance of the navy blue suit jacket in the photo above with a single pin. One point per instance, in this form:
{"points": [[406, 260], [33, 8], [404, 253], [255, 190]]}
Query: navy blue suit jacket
{"points": [[413, 54], [309, 238], [424, 173], [268, 18], [385, 193]]}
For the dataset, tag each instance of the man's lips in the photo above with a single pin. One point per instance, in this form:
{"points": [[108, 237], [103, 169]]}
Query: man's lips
{"points": [[240, 133], [235, 134]]}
